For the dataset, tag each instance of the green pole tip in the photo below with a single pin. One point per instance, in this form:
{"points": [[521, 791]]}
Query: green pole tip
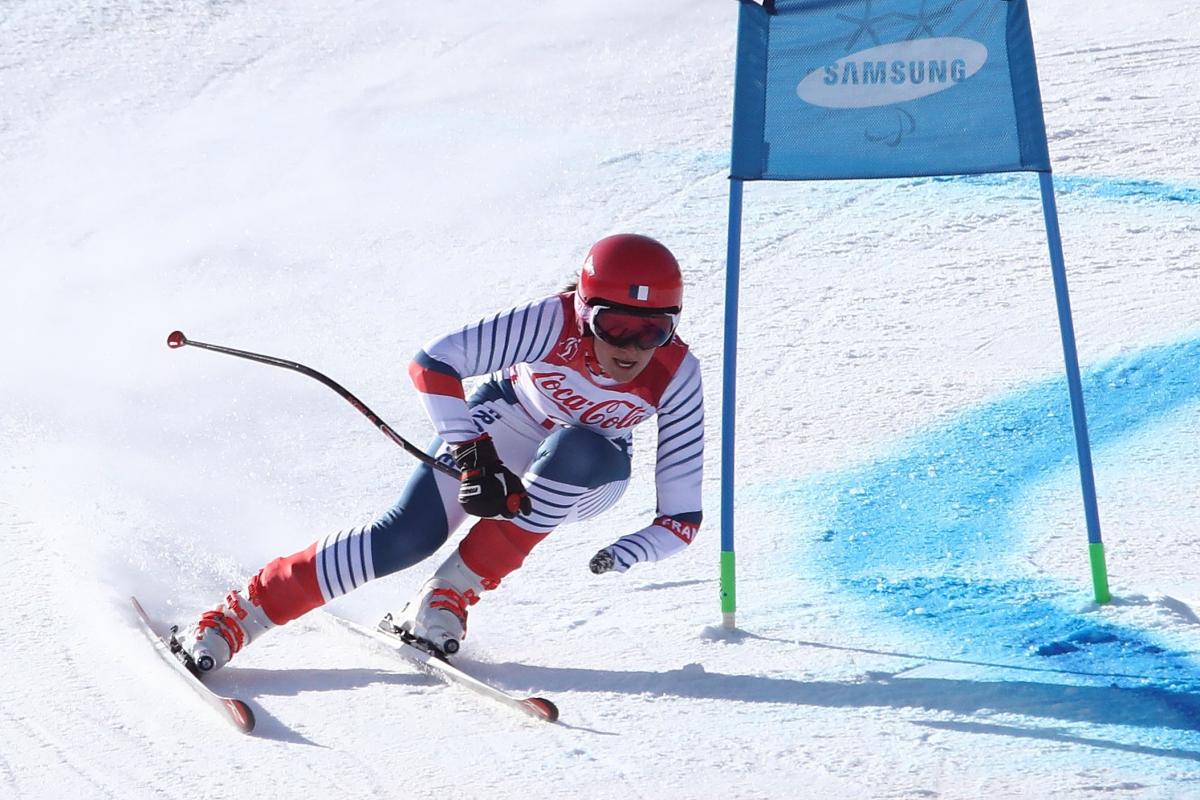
{"points": [[1099, 573], [728, 584]]}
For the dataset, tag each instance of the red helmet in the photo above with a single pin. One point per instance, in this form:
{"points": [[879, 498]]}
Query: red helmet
{"points": [[633, 271]]}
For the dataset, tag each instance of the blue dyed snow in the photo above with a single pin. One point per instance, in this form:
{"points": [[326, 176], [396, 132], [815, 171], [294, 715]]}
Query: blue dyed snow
{"points": [[922, 538], [1127, 190], [1122, 189]]}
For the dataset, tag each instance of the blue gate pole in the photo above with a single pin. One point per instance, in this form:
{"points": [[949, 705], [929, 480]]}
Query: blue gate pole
{"points": [[733, 259], [1075, 385]]}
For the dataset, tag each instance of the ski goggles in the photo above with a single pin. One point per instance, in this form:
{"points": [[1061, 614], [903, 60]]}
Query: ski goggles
{"points": [[625, 327]]}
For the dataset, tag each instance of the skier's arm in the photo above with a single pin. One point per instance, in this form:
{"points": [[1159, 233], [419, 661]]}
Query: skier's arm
{"points": [[525, 333], [677, 476], [666, 537]]}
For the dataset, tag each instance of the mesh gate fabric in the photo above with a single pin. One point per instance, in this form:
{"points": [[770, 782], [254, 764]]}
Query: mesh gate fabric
{"points": [[829, 89]]}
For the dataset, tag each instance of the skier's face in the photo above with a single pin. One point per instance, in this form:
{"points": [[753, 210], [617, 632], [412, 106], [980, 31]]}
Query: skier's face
{"points": [[621, 363]]}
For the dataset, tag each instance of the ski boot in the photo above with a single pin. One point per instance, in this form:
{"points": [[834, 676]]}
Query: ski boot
{"points": [[437, 617], [222, 632]]}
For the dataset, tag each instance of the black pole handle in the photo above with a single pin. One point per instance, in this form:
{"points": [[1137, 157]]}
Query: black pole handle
{"points": [[177, 340]]}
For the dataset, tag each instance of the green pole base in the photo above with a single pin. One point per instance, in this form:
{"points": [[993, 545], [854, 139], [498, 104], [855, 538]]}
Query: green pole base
{"points": [[1099, 572], [728, 590]]}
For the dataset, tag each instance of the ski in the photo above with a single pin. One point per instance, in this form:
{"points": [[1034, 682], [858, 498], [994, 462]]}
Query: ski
{"points": [[235, 711], [435, 663]]}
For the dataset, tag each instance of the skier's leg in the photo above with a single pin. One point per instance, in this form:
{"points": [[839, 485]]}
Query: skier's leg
{"points": [[575, 474], [409, 532], [291, 586]]}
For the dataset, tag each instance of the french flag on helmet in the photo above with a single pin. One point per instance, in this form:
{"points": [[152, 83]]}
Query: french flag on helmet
{"points": [[632, 270]]}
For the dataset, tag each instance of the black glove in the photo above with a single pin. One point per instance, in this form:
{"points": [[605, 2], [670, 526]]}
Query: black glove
{"points": [[488, 488], [606, 561], [602, 562]]}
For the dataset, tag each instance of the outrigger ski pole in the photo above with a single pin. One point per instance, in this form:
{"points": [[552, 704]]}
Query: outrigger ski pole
{"points": [[177, 340]]}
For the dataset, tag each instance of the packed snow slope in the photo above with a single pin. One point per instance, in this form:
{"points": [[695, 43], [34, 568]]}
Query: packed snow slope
{"points": [[337, 182]]}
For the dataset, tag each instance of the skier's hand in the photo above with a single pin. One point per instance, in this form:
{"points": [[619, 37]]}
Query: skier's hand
{"points": [[488, 488], [607, 560]]}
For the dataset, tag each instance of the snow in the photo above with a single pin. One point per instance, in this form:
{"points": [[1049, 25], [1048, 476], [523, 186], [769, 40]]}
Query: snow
{"points": [[337, 182]]}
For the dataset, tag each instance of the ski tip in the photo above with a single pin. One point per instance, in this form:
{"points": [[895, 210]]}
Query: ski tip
{"points": [[141, 612], [239, 714], [542, 708], [176, 339]]}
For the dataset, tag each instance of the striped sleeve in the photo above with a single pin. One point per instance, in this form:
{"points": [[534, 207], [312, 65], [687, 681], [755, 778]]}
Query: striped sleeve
{"points": [[524, 333], [678, 475], [666, 537], [681, 443]]}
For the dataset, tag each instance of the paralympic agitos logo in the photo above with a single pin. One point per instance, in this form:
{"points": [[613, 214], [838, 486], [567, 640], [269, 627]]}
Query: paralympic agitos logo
{"points": [[893, 73]]}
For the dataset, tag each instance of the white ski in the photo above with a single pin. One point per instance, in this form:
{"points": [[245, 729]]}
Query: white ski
{"points": [[232, 709], [439, 666]]}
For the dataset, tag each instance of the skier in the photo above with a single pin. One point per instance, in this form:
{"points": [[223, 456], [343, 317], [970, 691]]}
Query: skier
{"points": [[545, 441]]}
